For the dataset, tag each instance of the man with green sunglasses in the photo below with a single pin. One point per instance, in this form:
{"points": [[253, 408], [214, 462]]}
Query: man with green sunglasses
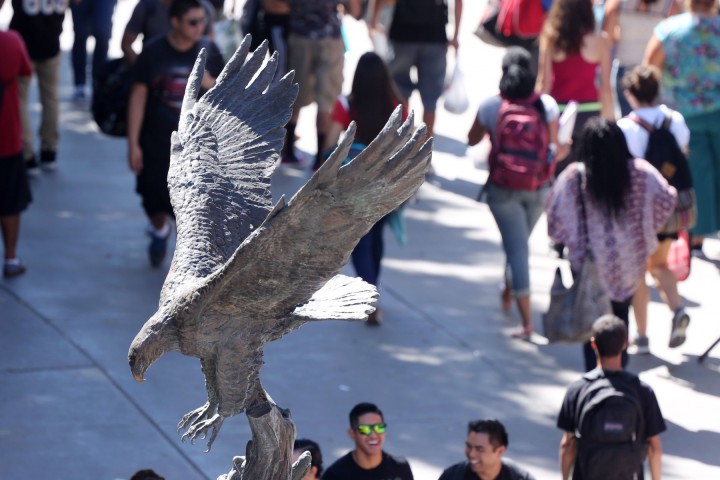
{"points": [[368, 461]]}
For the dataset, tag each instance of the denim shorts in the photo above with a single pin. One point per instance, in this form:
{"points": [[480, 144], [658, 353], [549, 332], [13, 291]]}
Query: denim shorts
{"points": [[430, 61]]}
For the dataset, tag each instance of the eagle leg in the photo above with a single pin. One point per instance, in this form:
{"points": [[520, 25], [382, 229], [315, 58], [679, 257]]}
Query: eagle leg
{"points": [[199, 424]]}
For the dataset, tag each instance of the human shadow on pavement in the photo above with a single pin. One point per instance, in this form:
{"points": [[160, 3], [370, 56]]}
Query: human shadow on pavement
{"points": [[444, 144], [675, 441]]}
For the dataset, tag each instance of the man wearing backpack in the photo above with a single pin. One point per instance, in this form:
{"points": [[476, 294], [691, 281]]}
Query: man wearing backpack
{"points": [[611, 419], [486, 444]]}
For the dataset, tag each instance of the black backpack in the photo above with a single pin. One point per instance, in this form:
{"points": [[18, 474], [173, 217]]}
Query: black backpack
{"points": [[664, 153], [610, 427], [111, 91]]}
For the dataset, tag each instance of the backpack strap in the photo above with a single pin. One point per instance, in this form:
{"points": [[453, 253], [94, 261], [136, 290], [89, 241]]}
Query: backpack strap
{"points": [[636, 118], [668, 120]]}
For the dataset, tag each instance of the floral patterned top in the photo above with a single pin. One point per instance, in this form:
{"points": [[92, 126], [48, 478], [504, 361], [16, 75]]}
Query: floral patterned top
{"points": [[622, 245], [691, 74]]}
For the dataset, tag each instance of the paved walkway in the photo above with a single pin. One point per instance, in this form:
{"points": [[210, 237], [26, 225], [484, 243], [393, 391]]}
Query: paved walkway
{"points": [[69, 408]]}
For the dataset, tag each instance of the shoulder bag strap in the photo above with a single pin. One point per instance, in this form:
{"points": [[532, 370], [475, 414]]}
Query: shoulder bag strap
{"points": [[583, 213]]}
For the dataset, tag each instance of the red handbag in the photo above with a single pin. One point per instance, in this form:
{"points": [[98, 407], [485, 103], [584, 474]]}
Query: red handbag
{"points": [[678, 258]]}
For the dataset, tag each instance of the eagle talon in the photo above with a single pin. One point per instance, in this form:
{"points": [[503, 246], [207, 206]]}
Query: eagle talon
{"points": [[199, 429]]}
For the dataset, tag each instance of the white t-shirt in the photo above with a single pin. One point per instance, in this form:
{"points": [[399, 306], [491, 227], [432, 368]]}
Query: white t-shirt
{"points": [[488, 111], [637, 137]]}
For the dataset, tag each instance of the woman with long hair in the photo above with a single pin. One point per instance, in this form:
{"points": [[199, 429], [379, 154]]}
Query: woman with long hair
{"points": [[516, 211], [575, 61], [626, 202], [372, 99], [642, 89], [685, 48]]}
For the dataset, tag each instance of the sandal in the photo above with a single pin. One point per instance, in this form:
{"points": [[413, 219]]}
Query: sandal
{"points": [[522, 334]]}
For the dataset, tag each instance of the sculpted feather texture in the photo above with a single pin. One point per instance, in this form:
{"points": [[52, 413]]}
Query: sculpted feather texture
{"points": [[245, 273]]}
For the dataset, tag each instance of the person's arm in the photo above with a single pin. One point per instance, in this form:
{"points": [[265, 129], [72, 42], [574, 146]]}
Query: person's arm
{"points": [[126, 45], [374, 7], [354, 8], [610, 20], [476, 133], [458, 17], [655, 457], [544, 78], [607, 104], [136, 112], [332, 136], [568, 451], [654, 53]]}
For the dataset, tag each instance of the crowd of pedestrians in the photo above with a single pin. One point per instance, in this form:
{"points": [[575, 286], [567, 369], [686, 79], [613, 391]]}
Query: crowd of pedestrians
{"points": [[603, 197]]}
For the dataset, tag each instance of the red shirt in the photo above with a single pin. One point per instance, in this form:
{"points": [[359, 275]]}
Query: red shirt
{"points": [[574, 79], [341, 112], [15, 63]]}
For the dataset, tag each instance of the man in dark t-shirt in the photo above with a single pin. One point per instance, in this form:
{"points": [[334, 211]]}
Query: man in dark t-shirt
{"points": [[160, 76], [486, 444], [368, 461], [609, 341]]}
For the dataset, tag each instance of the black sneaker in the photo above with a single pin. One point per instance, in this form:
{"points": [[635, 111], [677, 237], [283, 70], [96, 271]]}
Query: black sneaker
{"points": [[48, 160], [32, 167]]}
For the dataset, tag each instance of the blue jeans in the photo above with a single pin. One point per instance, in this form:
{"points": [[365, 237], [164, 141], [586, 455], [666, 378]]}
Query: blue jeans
{"points": [[516, 212], [368, 253], [90, 17]]}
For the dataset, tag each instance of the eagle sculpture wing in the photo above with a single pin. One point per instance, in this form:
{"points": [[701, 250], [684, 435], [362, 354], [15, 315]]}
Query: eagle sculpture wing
{"points": [[303, 244], [223, 154]]}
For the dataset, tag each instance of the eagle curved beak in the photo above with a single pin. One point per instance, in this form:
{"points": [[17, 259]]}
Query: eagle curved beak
{"points": [[138, 377]]}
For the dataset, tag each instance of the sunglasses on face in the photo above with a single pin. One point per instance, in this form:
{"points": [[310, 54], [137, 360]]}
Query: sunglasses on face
{"points": [[194, 22], [368, 429]]}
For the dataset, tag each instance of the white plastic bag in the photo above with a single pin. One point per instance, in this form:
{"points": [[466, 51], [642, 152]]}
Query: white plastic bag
{"points": [[456, 99]]}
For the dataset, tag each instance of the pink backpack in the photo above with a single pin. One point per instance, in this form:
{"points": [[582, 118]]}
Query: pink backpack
{"points": [[519, 157]]}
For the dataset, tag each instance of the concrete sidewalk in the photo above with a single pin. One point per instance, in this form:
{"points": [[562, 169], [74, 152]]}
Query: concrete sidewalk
{"points": [[69, 408]]}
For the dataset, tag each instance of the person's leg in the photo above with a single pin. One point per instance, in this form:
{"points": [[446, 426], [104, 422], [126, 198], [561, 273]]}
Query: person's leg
{"points": [[15, 196], [48, 73], [431, 66], [510, 216], [300, 60], [624, 105], [533, 204], [329, 74], [700, 159], [622, 311], [665, 280], [81, 16], [402, 60], [102, 15], [10, 232], [367, 254], [27, 131], [640, 307]]}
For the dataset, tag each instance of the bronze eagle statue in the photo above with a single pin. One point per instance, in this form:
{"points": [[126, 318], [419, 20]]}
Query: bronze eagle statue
{"points": [[245, 273]]}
